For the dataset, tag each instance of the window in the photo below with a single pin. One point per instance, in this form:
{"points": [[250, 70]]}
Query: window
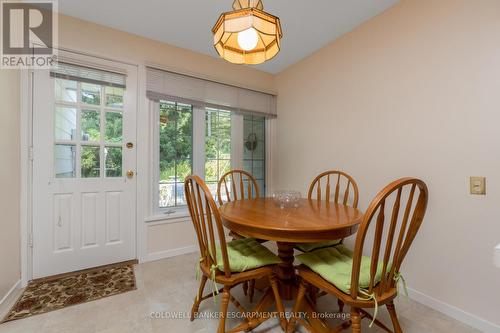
{"points": [[217, 146], [88, 122], [176, 152], [254, 148], [196, 140]]}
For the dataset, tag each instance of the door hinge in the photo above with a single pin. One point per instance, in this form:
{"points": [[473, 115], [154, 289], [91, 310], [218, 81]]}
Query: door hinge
{"points": [[30, 240], [30, 153]]}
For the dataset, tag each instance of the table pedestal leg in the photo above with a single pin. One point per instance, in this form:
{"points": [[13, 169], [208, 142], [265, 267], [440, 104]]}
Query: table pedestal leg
{"points": [[288, 291], [286, 271], [312, 323]]}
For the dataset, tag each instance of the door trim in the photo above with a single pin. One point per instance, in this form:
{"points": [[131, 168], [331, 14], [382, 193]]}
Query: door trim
{"points": [[26, 132], [26, 144]]}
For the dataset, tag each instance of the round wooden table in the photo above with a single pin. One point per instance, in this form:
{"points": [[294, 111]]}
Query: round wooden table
{"points": [[312, 221]]}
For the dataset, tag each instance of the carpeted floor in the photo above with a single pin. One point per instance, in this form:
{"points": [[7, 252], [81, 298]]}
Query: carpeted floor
{"points": [[58, 292]]}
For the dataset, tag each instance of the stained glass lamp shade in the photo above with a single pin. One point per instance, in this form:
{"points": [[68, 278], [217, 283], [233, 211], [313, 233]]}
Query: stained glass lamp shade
{"points": [[247, 35]]}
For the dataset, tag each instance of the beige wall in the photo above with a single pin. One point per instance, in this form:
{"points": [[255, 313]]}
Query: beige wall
{"points": [[413, 92], [9, 181], [93, 39], [96, 39]]}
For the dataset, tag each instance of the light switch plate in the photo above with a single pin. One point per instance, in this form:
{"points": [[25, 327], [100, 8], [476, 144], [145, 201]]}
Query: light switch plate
{"points": [[478, 185]]}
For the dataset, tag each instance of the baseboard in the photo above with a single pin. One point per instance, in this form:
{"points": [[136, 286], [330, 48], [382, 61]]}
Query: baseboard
{"points": [[171, 253], [454, 312], [8, 299]]}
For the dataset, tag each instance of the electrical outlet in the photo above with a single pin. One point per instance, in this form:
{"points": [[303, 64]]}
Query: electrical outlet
{"points": [[478, 185]]}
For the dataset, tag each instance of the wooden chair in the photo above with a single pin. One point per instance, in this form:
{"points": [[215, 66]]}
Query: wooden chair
{"points": [[237, 185], [321, 189], [397, 245], [208, 226], [232, 186], [341, 181]]}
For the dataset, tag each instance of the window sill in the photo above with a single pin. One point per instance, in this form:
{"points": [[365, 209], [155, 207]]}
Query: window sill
{"points": [[167, 219]]}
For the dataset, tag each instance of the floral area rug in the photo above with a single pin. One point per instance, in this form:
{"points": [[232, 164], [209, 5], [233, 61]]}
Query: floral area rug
{"points": [[55, 293]]}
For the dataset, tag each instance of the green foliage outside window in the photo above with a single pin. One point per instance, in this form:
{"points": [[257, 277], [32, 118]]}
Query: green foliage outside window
{"points": [[91, 129], [113, 162], [176, 141], [217, 146], [90, 162]]}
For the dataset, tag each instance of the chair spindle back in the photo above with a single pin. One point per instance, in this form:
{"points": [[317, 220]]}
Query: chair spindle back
{"points": [[207, 221], [234, 184], [342, 184], [409, 220]]}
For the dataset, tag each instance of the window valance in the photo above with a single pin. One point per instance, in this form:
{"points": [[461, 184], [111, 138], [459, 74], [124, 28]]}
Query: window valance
{"points": [[89, 75], [195, 91]]}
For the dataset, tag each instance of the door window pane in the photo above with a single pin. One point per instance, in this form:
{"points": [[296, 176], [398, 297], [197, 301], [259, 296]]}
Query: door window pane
{"points": [[114, 127], [91, 93], [91, 128], [114, 97], [90, 162], [65, 161], [65, 123], [113, 158], [88, 129], [66, 91]]}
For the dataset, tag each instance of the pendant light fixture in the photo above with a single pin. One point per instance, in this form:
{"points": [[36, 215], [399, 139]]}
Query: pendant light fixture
{"points": [[247, 35]]}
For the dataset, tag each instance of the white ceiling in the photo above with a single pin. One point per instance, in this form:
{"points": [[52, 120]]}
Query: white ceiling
{"points": [[307, 25]]}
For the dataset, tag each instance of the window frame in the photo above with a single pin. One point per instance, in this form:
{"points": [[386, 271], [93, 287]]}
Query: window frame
{"points": [[198, 138], [157, 149], [253, 159], [218, 158], [198, 151]]}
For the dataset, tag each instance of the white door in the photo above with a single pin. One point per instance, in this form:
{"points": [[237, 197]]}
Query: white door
{"points": [[84, 131]]}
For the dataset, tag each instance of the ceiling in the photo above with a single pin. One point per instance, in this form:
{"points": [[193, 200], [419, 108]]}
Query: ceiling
{"points": [[307, 25]]}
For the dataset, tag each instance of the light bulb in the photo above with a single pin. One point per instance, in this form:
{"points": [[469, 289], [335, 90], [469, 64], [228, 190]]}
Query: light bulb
{"points": [[248, 39]]}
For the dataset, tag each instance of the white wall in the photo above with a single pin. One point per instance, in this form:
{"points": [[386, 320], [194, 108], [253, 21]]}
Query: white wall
{"points": [[413, 92], [9, 180]]}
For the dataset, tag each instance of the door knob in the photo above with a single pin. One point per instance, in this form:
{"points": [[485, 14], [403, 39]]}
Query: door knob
{"points": [[130, 174]]}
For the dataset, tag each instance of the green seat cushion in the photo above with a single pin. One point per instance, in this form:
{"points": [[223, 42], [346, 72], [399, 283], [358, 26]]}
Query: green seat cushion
{"points": [[308, 247], [245, 254], [334, 264]]}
